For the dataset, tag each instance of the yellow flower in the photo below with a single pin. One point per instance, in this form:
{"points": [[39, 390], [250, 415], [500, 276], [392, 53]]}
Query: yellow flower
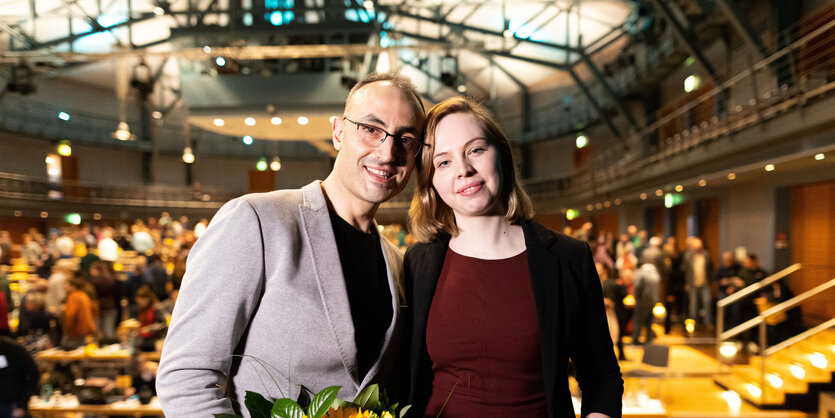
{"points": [[386, 414], [341, 413]]}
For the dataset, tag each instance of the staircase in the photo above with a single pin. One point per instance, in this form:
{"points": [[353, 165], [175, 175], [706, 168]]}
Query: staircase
{"points": [[794, 376]]}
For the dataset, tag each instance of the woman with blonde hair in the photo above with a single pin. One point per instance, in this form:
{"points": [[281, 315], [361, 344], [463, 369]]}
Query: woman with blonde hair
{"points": [[500, 303]]}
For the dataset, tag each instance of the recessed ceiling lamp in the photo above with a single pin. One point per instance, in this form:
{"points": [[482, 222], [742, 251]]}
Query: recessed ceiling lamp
{"points": [[303, 120], [643, 196], [219, 122], [702, 183], [247, 140], [679, 188], [731, 176], [249, 121], [819, 156], [659, 192], [275, 120], [769, 167]]}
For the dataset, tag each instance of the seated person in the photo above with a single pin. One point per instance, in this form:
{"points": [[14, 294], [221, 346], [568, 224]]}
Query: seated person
{"points": [[152, 322]]}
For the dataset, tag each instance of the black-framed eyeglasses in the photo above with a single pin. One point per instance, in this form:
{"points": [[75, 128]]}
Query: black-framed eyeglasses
{"points": [[374, 136]]}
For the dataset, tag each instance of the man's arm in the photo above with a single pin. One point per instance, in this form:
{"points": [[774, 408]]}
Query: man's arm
{"points": [[219, 293]]}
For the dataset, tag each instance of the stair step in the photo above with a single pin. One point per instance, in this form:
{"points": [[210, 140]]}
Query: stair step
{"points": [[809, 359], [785, 382], [750, 390], [799, 370]]}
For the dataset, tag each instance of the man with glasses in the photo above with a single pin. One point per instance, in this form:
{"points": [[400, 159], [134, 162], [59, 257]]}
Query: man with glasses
{"points": [[296, 287]]}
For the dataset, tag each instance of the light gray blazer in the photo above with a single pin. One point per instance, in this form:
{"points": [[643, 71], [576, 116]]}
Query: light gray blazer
{"points": [[265, 282]]}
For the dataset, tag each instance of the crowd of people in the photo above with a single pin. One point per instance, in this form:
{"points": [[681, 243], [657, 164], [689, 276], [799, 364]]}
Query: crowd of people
{"points": [[687, 283], [79, 296]]}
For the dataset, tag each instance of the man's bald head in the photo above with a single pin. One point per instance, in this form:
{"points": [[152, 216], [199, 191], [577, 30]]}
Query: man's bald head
{"points": [[402, 83]]}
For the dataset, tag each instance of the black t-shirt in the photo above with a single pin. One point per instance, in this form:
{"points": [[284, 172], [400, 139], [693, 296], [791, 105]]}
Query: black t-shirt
{"points": [[364, 268]]}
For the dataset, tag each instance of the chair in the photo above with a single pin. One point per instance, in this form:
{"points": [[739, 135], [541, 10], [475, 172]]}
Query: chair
{"points": [[655, 356]]}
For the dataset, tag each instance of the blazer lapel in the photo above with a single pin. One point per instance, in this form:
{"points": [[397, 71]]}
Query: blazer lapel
{"points": [[328, 272], [426, 278], [546, 280]]}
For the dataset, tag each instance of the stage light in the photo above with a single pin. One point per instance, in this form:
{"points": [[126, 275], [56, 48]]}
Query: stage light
{"points": [[188, 155], [659, 311], [582, 140], [818, 360], [728, 349], [775, 380], [64, 148], [798, 371], [690, 325]]}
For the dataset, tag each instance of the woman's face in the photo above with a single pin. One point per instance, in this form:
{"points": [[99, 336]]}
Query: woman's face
{"points": [[467, 167]]}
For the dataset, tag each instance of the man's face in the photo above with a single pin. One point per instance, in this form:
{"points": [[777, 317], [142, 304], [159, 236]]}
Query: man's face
{"points": [[367, 173]]}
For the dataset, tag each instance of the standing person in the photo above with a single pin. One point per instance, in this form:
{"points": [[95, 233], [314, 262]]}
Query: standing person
{"points": [[109, 292], [727, 275], [499, 302], [300, 279], [647, 290], [18, 378], [698, 272], [79, 314]]}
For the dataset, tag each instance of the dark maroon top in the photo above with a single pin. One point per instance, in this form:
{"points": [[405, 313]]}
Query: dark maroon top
{"points": [[483, 333]]}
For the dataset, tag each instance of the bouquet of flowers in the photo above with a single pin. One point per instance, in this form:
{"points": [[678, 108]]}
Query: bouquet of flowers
{"points": [[369, 403]]}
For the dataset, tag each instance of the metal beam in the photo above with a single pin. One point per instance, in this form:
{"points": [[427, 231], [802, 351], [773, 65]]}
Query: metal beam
{"points": [[461, 26], [551, 64], [72, 38], [688, 38], [596, 105], [616, 99], [740, 23]]}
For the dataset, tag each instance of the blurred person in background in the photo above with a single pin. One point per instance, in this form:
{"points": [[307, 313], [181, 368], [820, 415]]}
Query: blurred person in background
{"points": [[56, 291], [647, 293], [108, 248], [109, 292], [727, 276], [156, 277], [5, 248], [65, 245], [698, 273], [613, 294], [152, 319], [142, 240], [31, 251], [79, 314], [88, 259], [19, 378], [135, 280]]}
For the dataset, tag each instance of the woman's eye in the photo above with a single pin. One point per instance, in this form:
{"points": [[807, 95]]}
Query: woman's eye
{"points": [[477, 150], [441, 164]]}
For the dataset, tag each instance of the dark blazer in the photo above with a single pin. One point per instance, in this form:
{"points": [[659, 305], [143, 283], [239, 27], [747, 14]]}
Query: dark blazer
{"points": [[572, 321]]}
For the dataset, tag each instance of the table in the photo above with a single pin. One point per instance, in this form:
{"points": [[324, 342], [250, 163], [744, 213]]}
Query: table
{"points": [[69, 404]]}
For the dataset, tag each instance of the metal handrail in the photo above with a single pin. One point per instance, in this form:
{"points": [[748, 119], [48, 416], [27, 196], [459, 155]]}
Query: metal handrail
{"points": [[783, 306], [758, 285], [799, 337]]}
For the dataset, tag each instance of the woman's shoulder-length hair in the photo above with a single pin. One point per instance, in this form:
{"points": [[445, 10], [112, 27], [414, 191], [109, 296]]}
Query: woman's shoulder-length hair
{"points": [[428, 214]]}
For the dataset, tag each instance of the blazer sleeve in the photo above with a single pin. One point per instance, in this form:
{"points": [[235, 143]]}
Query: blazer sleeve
{"points": [[591, 348], [219, 293]]}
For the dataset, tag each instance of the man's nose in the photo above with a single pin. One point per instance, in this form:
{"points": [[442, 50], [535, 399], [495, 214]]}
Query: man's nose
{"points": [[386, 151]]}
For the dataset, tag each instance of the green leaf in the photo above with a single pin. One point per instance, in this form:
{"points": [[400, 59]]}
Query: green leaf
{"points": [[227, 416], [404, 410], [286, 408], [337, 403], [304, 396], [322, 401], [368, 398], [258, 406]]}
